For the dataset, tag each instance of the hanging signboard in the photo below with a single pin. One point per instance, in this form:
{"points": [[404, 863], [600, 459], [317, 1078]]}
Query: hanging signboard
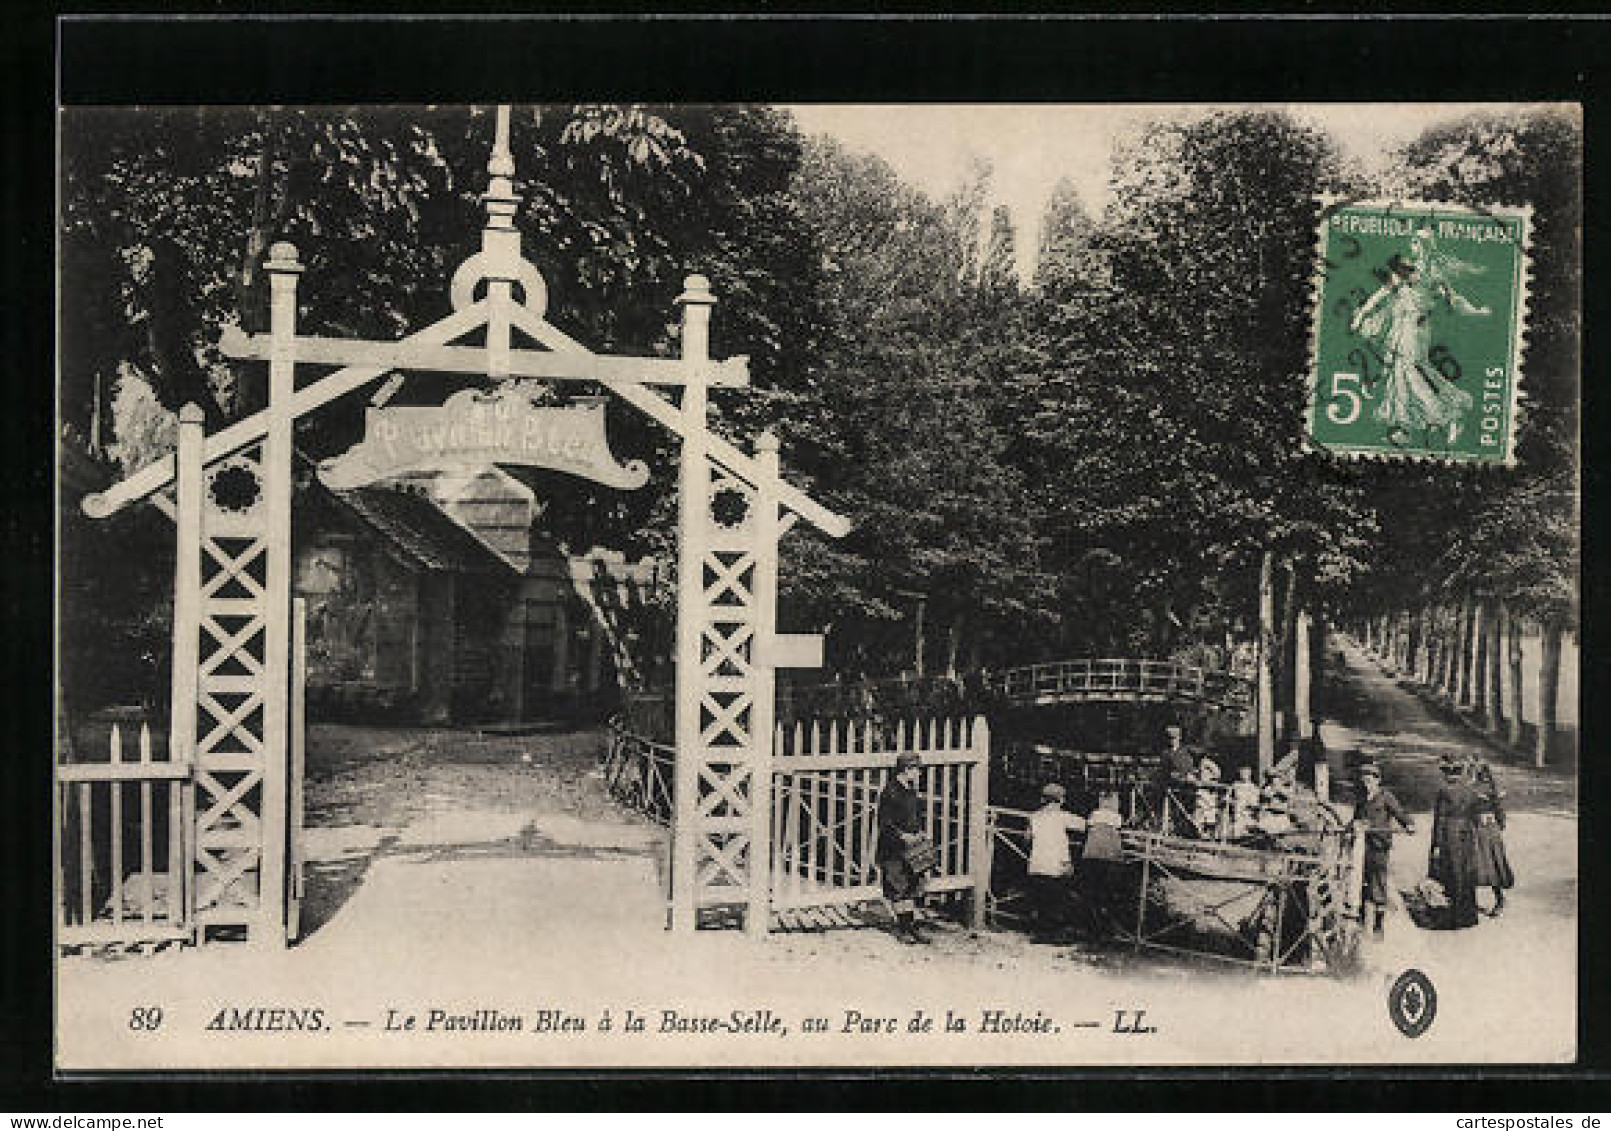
{"points": [[477, 428]]}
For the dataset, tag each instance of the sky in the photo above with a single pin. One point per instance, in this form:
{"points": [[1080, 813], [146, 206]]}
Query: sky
{"points": [[1031, 147]]}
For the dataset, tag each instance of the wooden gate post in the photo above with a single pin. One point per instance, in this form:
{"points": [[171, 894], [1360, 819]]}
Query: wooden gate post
{"points": [[185, 679], [981, 845], [763, 682], [692, 517], [283, 269]]}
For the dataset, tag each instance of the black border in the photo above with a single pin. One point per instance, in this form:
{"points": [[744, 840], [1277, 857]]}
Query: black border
{"points": [[220, 58]]}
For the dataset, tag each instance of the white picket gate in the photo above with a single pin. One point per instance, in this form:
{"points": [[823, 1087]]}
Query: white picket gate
{"points": [[826, 780], [122, 846]]}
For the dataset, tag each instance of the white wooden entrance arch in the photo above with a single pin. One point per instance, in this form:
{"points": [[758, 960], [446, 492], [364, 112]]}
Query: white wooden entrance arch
{"points": [[229, 495]]}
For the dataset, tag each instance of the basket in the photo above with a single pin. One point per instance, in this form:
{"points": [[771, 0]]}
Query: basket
{"points": [[922, 856]]}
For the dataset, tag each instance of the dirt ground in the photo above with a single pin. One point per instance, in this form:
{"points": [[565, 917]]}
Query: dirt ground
{"points": [[465, 880]]}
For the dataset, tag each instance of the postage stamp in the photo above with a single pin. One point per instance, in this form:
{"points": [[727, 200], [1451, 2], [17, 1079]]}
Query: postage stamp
{"points": [[1420, 315]]}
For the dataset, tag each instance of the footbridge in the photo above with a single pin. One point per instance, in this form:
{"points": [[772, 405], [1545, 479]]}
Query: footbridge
{"points": [[1122, 681]]}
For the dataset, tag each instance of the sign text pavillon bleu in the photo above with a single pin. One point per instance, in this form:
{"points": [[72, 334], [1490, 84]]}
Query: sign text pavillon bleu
{"points": [[474, 427]]}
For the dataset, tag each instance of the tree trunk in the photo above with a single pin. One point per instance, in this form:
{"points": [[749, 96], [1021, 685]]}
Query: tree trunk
{"points": [[1440, 648], [1301, 657], [250, 390], [918, 643], [1266, 658], [1423, 654], [172, 368], [1319, 636], [1423, 643], [1468, 622], [1479, 659], [1513, 635], [1549, 686], [953, 645], [1450, 679], [1436, 645], [1495, 672], [1412, 640], [1285, 656]]}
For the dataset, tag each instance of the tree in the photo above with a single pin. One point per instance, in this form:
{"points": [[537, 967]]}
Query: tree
{"points": [[1170, 394], [906, 438], [998, 270], [1066, 264]]}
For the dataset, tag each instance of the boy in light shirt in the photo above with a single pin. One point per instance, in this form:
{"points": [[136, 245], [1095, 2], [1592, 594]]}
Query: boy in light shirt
{"points": [[1051, 862]]}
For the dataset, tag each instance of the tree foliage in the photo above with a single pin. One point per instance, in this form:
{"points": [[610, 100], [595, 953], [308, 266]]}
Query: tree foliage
{"points": [[1093, 460]]}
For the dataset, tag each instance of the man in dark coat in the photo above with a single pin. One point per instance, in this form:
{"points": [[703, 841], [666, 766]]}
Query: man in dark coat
{"points": [[1453, 861], [900, 829], [1177, 775], [1382, 815]]}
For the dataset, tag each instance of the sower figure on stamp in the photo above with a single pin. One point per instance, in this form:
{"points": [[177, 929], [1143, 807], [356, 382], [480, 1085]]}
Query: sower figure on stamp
{"points": [[1382, 816], [905, 855], [1415, 393], [1051, 862]]}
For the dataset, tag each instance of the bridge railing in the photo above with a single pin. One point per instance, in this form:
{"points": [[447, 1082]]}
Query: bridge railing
{"points": [[639, 772], [1123, 678]]}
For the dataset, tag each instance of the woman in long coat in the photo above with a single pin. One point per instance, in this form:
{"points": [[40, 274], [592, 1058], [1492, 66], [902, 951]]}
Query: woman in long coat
{"points": [[1493, 865], [1453, 862]]}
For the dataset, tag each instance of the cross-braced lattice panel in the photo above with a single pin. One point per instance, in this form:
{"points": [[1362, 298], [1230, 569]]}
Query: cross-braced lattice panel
{"points": [[232, 743], [728, 682]]}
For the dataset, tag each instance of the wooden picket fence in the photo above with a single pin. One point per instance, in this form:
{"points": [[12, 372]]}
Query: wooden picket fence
{"points": [[826, 779], [825, 786], [122, 847]]}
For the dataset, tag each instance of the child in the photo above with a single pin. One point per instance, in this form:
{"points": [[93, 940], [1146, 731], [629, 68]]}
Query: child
{"points": [[1102, 840], [1101, 864], [1205, 805], [1051, 864], [1275, 805], [1244, 801], [1379, 811]]}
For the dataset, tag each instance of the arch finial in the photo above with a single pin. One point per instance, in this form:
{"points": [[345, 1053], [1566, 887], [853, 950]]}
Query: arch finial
{"points": [[500, 199], [502, 161]]}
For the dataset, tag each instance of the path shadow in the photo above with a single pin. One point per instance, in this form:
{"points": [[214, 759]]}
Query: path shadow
{"points": [[329, 884]]}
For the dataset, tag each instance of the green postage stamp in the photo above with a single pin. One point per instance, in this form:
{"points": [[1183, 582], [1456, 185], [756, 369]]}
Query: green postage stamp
{"points": [[1419, 319]]}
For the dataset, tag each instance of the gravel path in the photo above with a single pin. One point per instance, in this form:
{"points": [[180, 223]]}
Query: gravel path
{"points": [[461, 873]]}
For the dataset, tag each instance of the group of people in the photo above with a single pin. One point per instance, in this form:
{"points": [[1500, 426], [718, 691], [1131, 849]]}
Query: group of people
{"points": [[1467, 853], [905, 855], [1190, 782], [1468, 841], [1468, 844]]}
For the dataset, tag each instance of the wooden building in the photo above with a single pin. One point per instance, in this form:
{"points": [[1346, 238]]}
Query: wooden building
{"points": [[437, 599]]}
